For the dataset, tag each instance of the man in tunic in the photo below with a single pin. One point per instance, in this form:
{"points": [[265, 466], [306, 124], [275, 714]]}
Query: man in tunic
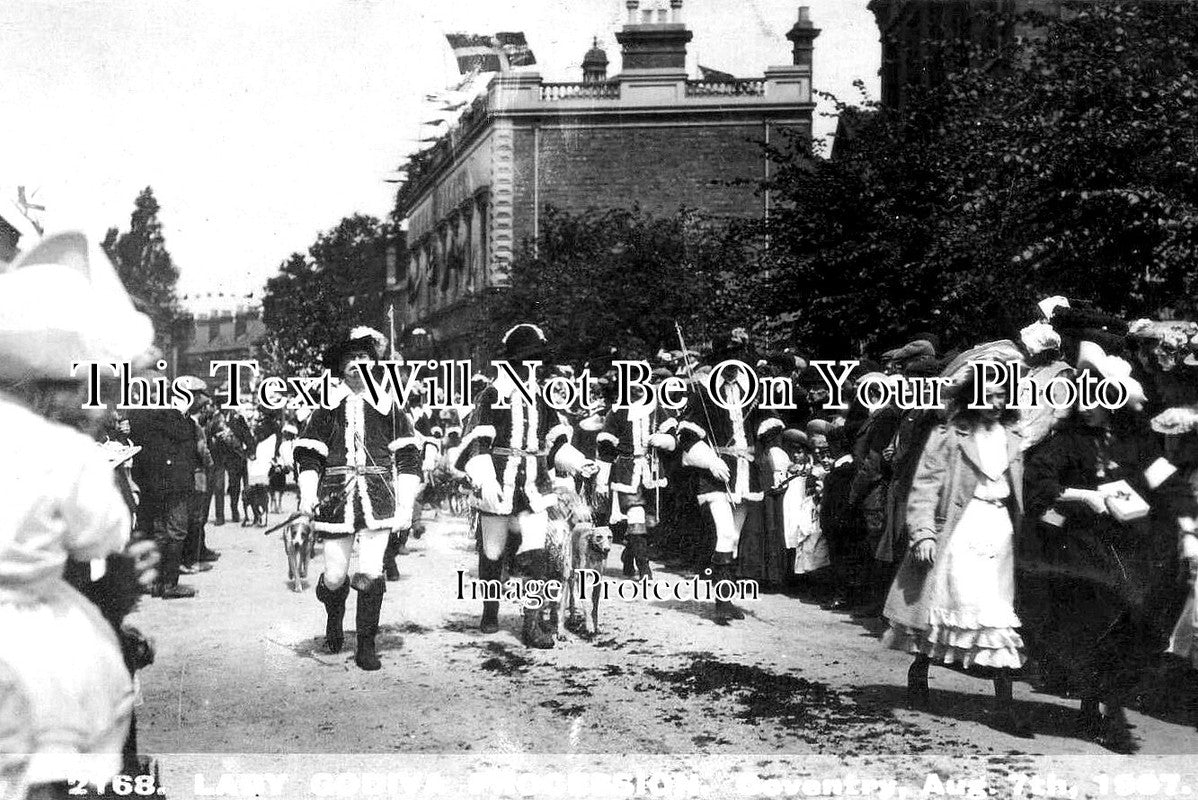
{"points": [[348, 457]]}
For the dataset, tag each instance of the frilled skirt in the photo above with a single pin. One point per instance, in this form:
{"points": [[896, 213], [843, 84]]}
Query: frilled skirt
{"points": [[66, 683], [971, 617]]}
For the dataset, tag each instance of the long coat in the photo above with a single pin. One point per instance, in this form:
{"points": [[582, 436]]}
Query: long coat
{"points": [[944, 484], [171, 451]]}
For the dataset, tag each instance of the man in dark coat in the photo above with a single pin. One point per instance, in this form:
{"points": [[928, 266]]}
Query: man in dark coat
{"points": [[165, 470], [230, 450]]}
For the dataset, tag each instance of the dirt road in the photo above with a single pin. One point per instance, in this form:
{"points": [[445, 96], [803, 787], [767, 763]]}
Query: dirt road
{"points": [[240, 670]]}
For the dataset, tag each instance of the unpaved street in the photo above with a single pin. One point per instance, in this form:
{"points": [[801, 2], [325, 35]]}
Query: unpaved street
{"points": [[240, 670]]}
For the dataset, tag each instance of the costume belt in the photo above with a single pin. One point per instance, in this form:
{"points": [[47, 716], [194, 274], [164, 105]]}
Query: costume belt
{"points": [[515, 451], [1000, 502], [350, 469], [737, 452]]}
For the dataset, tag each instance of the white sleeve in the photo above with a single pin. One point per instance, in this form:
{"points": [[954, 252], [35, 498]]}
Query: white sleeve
{"points": [[95, 514]]}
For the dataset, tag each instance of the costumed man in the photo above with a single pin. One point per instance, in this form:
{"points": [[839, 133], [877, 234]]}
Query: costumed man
{"points": [[718, 444], [413, 471], [347, 458], [627, 442], [508, 454]]}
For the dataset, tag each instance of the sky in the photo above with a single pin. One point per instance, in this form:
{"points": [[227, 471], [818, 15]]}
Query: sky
{"points": [[261, 123]]}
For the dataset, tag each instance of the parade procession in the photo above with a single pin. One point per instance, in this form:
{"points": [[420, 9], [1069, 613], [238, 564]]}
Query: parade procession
{"points": [[668, 433]]}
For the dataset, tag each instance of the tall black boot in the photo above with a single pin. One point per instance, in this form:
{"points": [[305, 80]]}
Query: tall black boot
{"points": [[638, 542], [334, 606], [489, 570], [1006, 718], [172, 555], [390, 569], [532, 564], [370, 603], [721, 573], [628, 556]]}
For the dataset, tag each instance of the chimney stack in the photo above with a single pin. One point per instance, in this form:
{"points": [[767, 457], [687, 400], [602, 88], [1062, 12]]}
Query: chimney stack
{"points": [[803, 36], [658, 41]]}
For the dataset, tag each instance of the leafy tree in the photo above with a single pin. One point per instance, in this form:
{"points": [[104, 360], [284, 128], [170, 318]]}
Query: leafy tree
{"points": [[146, 269], [1061, 163], [620, 278], [315, 298]]}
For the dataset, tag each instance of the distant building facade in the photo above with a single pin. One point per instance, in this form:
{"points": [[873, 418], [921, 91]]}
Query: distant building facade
{"points": [[220, 329], [913, 31], [649, 136]]}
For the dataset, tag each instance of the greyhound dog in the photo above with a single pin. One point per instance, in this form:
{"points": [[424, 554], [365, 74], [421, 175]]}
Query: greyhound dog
{"points": [[573, 543], [590, 548]]}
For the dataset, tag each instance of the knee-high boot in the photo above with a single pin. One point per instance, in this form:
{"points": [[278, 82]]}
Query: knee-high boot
{"points": [[721, 573], [533, 564], [334, 606], [638, 543], [489, 570], [390, 568], [370, 604]]}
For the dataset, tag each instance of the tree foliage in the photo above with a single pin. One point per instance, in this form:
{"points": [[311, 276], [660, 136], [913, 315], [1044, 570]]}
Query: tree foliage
{"points": [[621, 278], [146, 269], [316, 298], [1063, 163]]}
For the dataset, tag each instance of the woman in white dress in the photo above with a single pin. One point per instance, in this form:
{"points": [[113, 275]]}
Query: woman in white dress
{"points": [[952, 601]]}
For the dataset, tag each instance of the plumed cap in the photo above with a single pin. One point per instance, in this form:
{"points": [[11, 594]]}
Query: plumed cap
{"points": [[359, 340]]}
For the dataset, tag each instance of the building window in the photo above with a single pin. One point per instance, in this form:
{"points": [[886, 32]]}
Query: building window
{"points": [[213, 330], [240, 324]]}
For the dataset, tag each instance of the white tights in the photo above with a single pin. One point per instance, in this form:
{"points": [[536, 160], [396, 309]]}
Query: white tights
{"points": [[371, 545]]}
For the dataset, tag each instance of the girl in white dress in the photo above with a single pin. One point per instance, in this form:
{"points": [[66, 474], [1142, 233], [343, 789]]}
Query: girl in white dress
{"points": [[66, 695], [952, 600]]}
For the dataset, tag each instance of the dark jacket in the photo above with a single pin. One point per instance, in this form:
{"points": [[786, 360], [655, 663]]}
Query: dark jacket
{"points": [[170, 451]]}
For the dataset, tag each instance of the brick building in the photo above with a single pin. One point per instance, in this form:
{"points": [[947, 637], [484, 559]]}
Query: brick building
{"points": [[649, 135], [220, 329], [914, 34]]}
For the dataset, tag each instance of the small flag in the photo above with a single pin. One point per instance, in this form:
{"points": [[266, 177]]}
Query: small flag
{"points": [[475, 53], [710, 74], [515, 48]]}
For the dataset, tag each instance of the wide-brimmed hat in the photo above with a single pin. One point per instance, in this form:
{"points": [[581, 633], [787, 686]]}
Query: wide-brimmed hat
{"points": [[359, 340], [911, 350], [525, 342], [732, 346], [62, 303], [1091, 356]]}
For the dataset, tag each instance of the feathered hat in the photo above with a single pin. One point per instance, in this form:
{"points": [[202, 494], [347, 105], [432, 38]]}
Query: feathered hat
{"points": [[359, 340]]}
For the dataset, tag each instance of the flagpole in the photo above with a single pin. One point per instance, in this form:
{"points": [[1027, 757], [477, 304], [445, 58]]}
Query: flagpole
{"points": [[391, 326]]}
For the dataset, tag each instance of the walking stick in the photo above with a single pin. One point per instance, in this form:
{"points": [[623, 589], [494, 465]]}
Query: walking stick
{"points": [[699, 391]]}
